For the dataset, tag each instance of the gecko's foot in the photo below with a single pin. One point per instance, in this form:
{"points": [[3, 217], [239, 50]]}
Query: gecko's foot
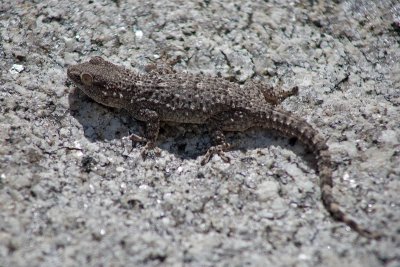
{"points": [[149, 149], [285, 94], [216, 150], [294, 91], [373, 235], [135, 139]]}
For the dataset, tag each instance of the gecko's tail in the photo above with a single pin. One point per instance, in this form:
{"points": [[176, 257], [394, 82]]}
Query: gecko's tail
{"points": [[331, 205], [292, 126]]}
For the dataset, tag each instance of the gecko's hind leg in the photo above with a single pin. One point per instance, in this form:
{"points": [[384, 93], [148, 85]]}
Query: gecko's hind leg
{"points": [[273, 95]]}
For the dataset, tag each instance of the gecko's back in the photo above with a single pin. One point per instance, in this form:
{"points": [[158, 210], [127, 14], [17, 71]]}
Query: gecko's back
{"points": [[178, 97]]}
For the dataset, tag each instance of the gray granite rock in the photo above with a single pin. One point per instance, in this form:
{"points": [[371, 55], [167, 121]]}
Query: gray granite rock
{"points": [[73, 193]]}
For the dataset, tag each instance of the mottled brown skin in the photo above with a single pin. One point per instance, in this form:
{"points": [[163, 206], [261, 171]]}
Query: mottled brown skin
{"points": [[164, 95]]}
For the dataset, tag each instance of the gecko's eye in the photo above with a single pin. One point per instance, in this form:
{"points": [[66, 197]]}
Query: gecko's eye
{"points": [[87, 79]]}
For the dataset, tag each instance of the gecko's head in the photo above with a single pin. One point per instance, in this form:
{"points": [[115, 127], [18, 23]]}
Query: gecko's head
{"points": [[98, 79]]}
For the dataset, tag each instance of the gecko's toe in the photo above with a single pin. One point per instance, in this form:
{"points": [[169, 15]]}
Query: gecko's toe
{"points": [[206, 158], [216, 150], [150, 150], [136, 138], [224, 157]]}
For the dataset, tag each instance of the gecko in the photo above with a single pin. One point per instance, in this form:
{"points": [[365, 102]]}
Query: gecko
{"points": [[164, 95]]}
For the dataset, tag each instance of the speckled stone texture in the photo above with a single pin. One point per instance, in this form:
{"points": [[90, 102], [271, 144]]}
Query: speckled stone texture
{"points": [[72, 193]]}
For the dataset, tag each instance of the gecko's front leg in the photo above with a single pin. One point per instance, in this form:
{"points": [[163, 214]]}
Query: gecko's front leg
{"points": [[152, 121], [220, 145]]}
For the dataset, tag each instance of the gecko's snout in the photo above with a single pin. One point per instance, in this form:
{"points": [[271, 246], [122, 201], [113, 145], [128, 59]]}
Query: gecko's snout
{"points": [[70, 70], [73, 74]]}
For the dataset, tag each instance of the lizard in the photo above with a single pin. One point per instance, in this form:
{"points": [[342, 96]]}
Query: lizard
{"points": [[164, 95]]}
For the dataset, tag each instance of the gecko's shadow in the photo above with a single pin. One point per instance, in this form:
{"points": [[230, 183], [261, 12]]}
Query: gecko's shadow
{"points": [[186, 141], [97, 120]]}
